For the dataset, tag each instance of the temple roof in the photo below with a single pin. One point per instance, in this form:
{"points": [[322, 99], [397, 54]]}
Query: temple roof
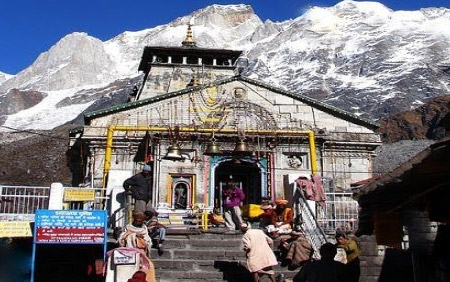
{"points": [[307, 100]]}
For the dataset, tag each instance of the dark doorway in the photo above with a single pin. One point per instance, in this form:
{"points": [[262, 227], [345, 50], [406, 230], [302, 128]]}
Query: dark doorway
{"points": [[247, 174]]}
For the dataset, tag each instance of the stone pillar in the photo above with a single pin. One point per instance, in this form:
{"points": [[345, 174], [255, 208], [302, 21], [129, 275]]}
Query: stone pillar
{"points": [[371, 256], [56, 196]]}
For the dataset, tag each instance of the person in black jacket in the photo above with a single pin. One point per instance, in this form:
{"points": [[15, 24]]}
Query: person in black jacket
{"points": [[324, 270], [140, 186]]}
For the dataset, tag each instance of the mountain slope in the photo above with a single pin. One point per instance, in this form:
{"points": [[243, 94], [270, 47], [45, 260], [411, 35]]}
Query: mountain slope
{"points": [[359, 56], [430, 121], [4, 77]]}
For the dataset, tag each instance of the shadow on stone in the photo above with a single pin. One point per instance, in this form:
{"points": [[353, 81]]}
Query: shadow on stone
{"points": [[233, 271]]}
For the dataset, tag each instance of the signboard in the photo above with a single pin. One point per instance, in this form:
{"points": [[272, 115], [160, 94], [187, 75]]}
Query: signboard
{"points": [[15, 229], [82, 195], [70, 227], [120, 258]]}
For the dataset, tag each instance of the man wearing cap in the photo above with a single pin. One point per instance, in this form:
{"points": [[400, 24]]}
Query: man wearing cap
{"points": [[140, 186]]}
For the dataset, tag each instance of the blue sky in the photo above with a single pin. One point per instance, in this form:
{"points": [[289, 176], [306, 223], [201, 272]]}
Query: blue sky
{"points": [[30, 27]]}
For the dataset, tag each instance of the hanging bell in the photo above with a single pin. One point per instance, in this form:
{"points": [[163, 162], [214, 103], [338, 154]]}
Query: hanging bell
{"points": [[174, 153], [241, 148], [212, 149]]}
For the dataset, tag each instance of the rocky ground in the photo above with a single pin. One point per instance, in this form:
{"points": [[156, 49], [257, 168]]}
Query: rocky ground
{"points": [[37, 158]]}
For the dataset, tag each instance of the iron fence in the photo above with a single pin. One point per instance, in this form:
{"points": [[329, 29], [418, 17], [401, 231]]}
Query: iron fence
{"points": [[21, 202], [340, 213]]}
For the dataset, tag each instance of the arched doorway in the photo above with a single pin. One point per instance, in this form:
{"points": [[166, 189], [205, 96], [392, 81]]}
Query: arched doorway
{"points": [[246, 173]]}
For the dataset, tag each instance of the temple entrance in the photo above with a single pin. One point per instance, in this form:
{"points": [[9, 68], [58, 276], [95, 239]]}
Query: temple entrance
{"points": [[246, 175]]}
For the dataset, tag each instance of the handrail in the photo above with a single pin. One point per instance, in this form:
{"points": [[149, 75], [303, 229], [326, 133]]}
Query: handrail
{"points": [[310, 226]]}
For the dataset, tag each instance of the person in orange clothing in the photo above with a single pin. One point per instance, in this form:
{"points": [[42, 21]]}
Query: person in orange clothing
{"points": [[282, 217]]}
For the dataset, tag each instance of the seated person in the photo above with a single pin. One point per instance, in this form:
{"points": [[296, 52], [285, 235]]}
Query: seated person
{"points": [[282, 217], [156, 230], [135, 235], [295, 250], [266, 217], [215, 218]]}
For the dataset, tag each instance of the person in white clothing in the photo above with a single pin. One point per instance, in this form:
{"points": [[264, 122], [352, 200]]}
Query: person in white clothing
{"points": [[258, 248]]}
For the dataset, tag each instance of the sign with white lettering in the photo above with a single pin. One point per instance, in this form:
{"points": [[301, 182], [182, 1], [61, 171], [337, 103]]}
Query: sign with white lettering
{"points": [[70, 227], [120, 258]]}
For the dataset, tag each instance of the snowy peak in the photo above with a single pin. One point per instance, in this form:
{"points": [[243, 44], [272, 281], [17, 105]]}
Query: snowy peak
{"points": [[360, 49], [216, 26], [358, 56], [76, 60], [223, 16]]}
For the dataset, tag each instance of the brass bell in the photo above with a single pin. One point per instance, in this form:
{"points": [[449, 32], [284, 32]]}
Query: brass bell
{"points": [[174, 153], [212, 149], [241, 148]]}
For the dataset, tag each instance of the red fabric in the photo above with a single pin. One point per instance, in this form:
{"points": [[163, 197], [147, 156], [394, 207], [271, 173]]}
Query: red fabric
{"points": [[319, 193], [138, 276], [306, 187]]}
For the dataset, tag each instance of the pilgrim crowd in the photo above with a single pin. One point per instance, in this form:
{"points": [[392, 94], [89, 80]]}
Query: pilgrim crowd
{"points": [[274, 224]]}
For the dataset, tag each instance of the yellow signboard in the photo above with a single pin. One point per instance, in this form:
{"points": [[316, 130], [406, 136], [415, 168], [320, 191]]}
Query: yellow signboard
{"points": [[82, 195], [15, 229]]}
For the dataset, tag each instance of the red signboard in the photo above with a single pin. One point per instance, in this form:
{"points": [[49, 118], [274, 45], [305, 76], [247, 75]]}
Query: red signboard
{"points": [[70, 227], [70, 235]]}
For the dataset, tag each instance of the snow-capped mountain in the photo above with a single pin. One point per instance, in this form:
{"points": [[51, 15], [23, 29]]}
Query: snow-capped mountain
{"points": [[359, 56]]}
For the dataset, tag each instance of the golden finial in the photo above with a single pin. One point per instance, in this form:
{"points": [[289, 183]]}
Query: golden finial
{"points": [[189, 41]]}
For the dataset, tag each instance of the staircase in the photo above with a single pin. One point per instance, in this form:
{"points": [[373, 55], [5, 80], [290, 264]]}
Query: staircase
{"points": [[205, 257]]}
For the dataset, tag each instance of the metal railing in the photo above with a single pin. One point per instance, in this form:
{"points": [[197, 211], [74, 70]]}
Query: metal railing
{"points": [[340, 213], [21, 202], [308, 223]]}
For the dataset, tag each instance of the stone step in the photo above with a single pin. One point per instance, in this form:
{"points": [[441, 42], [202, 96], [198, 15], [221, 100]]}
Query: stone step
{"points": [[202, 243], [191, 276], [196, 254], [206, 265], [230, 275]]}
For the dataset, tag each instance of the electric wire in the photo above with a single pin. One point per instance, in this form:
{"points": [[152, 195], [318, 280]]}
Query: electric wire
{"points": [[16, 130]]}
